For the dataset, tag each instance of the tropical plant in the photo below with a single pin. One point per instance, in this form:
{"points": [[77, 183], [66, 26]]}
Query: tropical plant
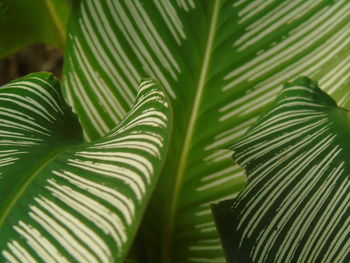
{"points": [[221, 63], [295, 207], [65, 200]]}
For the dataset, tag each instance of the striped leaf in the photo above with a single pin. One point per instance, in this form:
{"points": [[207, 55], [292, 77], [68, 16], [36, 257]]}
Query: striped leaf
{"points": [[25, 22], [295, 207], [63, 200], [221, 63]]}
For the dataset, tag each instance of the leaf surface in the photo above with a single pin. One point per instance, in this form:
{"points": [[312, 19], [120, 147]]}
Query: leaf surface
{"points": [[295, 207], [63, 200], [25, 22], [221, 63]]}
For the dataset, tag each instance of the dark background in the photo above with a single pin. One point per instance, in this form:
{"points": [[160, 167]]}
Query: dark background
{"points": [[31, 59]]}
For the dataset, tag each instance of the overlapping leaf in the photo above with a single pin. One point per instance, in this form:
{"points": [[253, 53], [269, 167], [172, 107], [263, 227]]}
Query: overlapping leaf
{"points": [[66, 201], [221, 62], [295, 207]]}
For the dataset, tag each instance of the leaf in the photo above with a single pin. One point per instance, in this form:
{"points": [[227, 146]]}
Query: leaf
{"points": [[295, 207], [63, 200], [25, 22], [222, 63]]}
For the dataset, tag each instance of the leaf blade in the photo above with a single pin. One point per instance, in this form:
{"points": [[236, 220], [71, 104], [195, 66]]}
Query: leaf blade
{"points": [[84, 202], [295, 158], [117, 42], [23, 23]]}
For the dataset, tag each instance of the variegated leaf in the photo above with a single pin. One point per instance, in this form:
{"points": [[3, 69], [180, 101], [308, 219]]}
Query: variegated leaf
{"points": [[63, 200], [295, 207], [221, 62]]}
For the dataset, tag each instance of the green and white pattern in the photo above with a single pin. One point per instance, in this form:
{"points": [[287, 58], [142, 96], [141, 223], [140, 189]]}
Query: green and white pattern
{"points": [[295, 207], [66, 201], [222, 63]]}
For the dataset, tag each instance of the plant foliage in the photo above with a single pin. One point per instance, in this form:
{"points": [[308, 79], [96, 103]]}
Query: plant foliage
{"points": [[221, 62], [25, 22], [295, 207], [68, 201]]}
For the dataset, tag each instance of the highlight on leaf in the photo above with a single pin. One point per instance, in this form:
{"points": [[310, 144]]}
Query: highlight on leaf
{"points": [[295, 207], [69, 201]]}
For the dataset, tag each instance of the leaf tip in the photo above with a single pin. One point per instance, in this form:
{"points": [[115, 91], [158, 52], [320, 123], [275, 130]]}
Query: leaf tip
{"points": [[302, 81]]}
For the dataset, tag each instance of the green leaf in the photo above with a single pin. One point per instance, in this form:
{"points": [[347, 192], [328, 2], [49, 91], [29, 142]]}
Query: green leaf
{"points": [[63, 200], [25, 22], [222, 63], [295, 207]]}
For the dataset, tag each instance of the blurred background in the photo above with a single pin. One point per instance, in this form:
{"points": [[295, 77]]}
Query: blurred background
{"points": [[31, 59]]}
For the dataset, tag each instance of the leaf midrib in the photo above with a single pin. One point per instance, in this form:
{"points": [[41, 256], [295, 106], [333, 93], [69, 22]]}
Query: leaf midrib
{"points": [[168, 227], [32, 175]]}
